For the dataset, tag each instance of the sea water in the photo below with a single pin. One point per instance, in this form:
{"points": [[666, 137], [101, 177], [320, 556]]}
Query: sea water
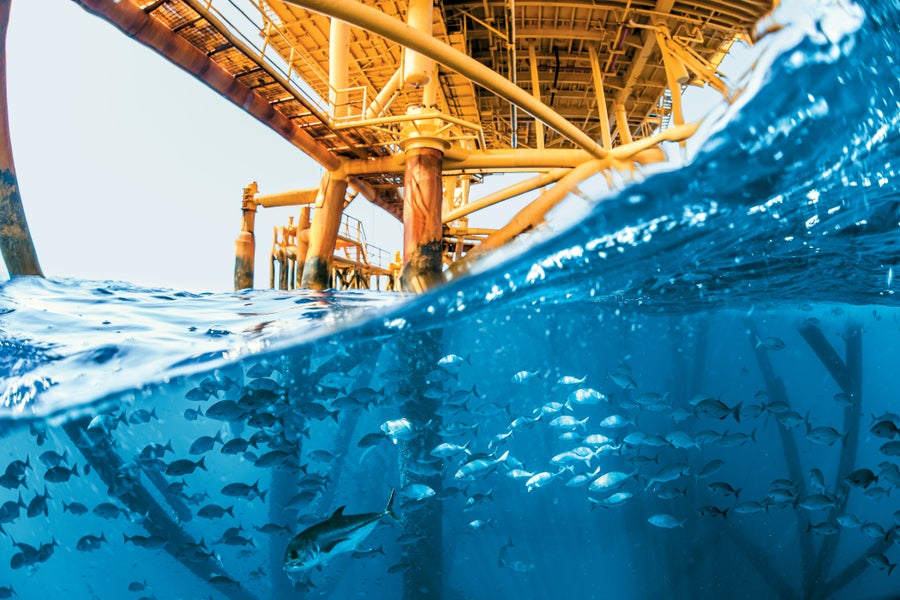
{"points": [[689, 390]]}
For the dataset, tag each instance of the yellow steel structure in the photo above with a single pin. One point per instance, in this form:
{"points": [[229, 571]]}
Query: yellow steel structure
{"points": [[563, 89]]}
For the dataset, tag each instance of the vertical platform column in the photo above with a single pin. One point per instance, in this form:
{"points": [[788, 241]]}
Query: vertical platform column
{"points": [[302, 242], [323, 233], [245, 244], [422, 227], [15, 238]]}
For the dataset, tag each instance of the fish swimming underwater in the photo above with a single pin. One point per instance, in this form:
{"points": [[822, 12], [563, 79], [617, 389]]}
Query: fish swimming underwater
{"points": [[316, 544]]}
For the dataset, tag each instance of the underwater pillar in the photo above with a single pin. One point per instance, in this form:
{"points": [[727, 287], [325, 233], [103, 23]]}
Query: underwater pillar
{"points": [[323, 233], [423, 521], [422, 203], [245, 244], [15, 238]]}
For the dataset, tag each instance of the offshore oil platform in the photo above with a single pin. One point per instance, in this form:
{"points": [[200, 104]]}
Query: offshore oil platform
{"points": [[410, 104]]}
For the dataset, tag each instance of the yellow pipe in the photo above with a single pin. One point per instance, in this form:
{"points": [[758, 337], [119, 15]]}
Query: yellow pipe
{"points": [[417, 67], [536, 92], [517, 189], [338, 68], [289, 198], [371, 19], [601, 99], [622, 123], [377, 107], [533, 214]]}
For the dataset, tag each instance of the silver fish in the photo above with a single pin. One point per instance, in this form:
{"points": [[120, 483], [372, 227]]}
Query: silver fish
{"points": [[337, 534]]}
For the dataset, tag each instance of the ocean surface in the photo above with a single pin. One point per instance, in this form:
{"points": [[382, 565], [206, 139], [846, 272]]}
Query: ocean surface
{"points": [[685, 387]]}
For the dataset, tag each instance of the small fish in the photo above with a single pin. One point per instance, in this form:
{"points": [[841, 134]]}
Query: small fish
{"points": [[750, 507], [769, 343], [890, 449], [141, 416], [417, 491], [108, 510], [60, 474], [817, 502], [480, 467], [861, 478], [51, 458], [669, 473], [226, 410], [610, 481], [817, 480], [540, 480], [89, 543], [214, 511], [712, 512], [137, 586], [401, 430], [39, 504], [824, 528], [371, 440], [621, 379], [76, 508], [873, 530], [205, 443], [723, 489], [616, 422], [524, 376], [236, 446], [713, 408], [710, 468], [237, 490], [884, 429], [568, 422], [337, 534], [665, 521], [453, 362], [848, 521], [446, 450], [681, 440], [184, 466], [585, 397], [570, 380], [825, 436], [880, 561], [617, 499]]}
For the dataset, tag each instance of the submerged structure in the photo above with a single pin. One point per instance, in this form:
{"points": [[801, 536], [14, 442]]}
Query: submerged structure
{"points": [[411, 104]]}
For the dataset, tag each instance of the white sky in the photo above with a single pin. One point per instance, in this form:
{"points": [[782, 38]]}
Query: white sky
{"points": [[132, 170]]}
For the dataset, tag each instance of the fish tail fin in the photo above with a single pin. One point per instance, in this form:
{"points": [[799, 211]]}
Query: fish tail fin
{"points": [[389, 509], [262, 495], [334, 415], [202, 463], [736, 411], [153, 413], [891, 568], [737, 493]]}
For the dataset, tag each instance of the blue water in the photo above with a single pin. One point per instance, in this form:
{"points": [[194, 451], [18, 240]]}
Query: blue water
{"points": [[731, 326]]}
